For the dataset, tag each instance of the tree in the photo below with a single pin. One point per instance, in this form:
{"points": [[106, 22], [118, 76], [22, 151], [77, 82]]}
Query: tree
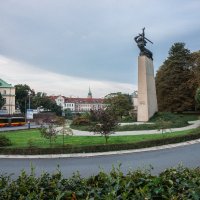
{"points": [[119, 104], [174, 93], [195, 70], [163, 125], [49, 130], [2, 101], [194, 81], [105, 124], [197, 96], [55, 108], [22, 92], [65, 128], [40, 99], [68, 113]]}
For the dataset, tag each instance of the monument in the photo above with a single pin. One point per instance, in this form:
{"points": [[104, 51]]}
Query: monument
{"points": [[147, 100]]}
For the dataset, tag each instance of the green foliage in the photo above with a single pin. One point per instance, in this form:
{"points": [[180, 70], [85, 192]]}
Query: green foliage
{"points": [[195, 68], [37, 100], [163, 125], [41, 100], [81, 120], [68, 114], [175, 89], [105, 124], [119, 104], [31, 142], [49, 130], [4, 141], [197, 96], [173, 183], [22, 92], [2, 101], [129, 119], [159, 120], [173, 120], [65, 129]]}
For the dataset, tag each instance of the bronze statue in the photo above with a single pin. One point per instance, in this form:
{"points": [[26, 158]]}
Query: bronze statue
{"points": [[141, 41]]}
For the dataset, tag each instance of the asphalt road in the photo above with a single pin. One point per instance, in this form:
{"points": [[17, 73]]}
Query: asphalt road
{"points": [[189, 156]]}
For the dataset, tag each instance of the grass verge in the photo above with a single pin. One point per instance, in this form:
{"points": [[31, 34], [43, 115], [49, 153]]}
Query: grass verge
{"points": [[79, 144]]}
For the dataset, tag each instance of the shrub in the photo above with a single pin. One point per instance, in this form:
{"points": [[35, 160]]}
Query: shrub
{"points": [[173, 183], [129, 119], [4, 141], [81, 121], [166, 116]]}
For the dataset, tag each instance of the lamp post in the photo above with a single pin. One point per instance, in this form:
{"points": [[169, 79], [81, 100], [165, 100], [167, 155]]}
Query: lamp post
{"points": [[29, 101], [29, 106]]}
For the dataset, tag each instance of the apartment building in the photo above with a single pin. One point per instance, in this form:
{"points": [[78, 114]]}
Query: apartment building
{"points": [[8, 93]]}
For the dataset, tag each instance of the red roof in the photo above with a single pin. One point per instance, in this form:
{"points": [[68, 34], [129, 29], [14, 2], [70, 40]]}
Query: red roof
{"points": [[84, 100], [79, 100]]}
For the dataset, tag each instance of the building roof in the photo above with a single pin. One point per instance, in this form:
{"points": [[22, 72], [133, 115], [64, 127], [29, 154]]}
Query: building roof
{"points": [[3, 84], [79, 100], [84, 100]]}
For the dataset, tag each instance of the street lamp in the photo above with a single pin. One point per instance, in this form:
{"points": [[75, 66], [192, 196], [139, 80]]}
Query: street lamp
{"points": [[29, 100], [29, 106]]}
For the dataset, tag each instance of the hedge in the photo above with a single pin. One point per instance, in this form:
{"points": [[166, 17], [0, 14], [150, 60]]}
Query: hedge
{"points": [[175, 183]]}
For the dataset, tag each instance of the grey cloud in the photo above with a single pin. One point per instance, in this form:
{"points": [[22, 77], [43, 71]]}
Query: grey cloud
{"points": [[94, 38]]}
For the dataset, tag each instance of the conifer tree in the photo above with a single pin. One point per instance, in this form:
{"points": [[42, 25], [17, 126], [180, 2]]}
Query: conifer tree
{"points": [[174, 92]]}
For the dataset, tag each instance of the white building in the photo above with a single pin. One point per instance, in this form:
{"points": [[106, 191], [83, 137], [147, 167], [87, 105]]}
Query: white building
{"points": [[79, 104], [8, 93]]}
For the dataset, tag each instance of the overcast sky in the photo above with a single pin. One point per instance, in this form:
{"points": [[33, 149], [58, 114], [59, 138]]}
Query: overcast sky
{"points": [[65, 46]]}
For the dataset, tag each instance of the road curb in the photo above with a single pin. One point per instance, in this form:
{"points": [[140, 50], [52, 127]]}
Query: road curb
{"points": [[83, 155]]}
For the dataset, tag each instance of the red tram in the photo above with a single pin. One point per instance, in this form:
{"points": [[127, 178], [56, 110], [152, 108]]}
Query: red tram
{"points": [[12, 121]]}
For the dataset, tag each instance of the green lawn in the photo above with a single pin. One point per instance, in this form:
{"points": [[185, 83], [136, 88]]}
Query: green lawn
{"points": [[22, 138]]}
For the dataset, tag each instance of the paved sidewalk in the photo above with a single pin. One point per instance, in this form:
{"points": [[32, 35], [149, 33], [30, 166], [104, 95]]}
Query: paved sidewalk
{"points": [[193, 124]]}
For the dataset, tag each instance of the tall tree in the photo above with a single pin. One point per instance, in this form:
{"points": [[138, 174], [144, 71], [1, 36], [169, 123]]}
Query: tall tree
{"points": [[2, 101], [41, 100], [195, 76], [197, 96], [119, 104], [22, 98], [196, 68], [174, 92]]}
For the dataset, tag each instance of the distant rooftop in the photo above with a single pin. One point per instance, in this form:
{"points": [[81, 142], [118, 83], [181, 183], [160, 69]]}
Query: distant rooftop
{"points": [[3, 84]]}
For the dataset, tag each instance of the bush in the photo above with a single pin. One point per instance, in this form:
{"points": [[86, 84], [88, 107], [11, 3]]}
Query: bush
{"points": [[128, 119], [4, 141], [174, 183], [81, 121]]}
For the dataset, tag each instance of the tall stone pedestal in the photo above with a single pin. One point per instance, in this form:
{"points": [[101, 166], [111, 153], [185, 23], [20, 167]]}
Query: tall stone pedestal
{"points": [[147, 100]]}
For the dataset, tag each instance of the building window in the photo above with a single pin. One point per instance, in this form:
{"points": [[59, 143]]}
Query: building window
{"points": [[4, 92]]}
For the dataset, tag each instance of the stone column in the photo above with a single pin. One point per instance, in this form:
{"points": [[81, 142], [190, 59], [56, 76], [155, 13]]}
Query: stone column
{"points": [[147, 100]]}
